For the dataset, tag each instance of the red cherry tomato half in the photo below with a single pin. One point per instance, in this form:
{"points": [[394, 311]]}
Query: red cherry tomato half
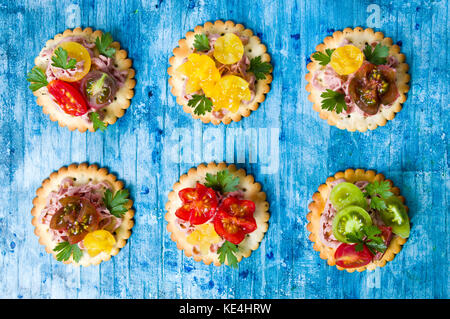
{"points": [[68, 98], [199, 204], [347, 257], [235, 219]]}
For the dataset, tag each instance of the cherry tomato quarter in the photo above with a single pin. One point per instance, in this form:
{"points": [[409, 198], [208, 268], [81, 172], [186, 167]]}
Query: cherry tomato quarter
{"points": [[346, 256], [199, 204], [235, 219], [68, 98]]}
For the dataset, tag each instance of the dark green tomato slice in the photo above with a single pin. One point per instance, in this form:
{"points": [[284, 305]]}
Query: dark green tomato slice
{"points": [[346, 194], [349, 221], [395, 216]]}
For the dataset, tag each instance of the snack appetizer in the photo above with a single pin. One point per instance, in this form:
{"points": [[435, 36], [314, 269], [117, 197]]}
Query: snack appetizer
{"points": [[217, 214], [82, 215], [83, 80], [220, 72], [357, 79], [358, 220]]}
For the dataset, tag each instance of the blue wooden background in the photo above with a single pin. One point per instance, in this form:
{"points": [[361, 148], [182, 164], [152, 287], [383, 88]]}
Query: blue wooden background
{"points": [[155, 142]]}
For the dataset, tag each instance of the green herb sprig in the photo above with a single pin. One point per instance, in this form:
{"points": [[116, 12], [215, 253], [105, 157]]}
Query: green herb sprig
{"points": [[61, 59], [323, 58], [115, 202], [65, 250], [258, 68], [201, 42], [96, 122], [227, 252], [201, 104], [378, 191], [37, 79], [223, 181], [369, 236], [378, 55], [103, 45], [333, 101]]}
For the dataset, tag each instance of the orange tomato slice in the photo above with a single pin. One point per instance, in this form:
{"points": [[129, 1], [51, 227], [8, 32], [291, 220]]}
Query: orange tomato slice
{"points": [[346, 59], [228, 49], [79, 53]]}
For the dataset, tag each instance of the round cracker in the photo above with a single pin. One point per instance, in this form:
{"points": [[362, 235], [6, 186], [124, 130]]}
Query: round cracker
{"points": [[82, 174], [112, 111], [359, 36], [317, 206], [251, 190], [252, 49]]}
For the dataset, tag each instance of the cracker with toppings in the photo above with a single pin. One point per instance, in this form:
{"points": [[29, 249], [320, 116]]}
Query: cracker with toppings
{"points": [[83, 183], [343, 84], [241, 186], [92, 71], [253, 67], [318, 206]]}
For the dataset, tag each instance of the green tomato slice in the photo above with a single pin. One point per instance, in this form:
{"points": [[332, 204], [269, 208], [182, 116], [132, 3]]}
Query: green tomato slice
{"points": [[346, 194], [349, 221], [395, 216]]}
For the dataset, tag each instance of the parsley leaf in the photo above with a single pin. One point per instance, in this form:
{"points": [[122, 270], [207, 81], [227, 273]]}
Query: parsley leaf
{"points": [[102, 43], [369, 236], [227, 252], [201, 42], [37, 78], [61, 59], [378, 55], [96, 122], [201, 104], [115, 203], [323, 58], [65, 250], [223, 181], [333, 101], [258, 68], [377, 191]]}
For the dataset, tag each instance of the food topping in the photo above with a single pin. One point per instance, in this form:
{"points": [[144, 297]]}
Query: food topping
{"points": [[199, 204], [99, 89], [68, 98], [228, 49], [347, 256], [103, 45], [360, 218], [346, 59], [71, 62], [204, 236], [229, 92], [208, 87], [351, 79], [99, 241], [234, 219]]}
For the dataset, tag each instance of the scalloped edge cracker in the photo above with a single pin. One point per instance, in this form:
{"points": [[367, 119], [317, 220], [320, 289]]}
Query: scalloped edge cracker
{"points": [[253, 49], [317, 206], [83, 174], [358, 121], [112, 111], [252, 191]]}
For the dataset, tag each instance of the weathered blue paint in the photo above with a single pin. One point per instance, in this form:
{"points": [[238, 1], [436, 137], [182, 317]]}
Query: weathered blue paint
{"points": [[412, 150]]}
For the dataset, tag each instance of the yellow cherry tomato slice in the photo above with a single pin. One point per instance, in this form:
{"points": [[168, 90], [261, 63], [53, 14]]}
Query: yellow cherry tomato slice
{"points": [[79, 53], [204, 236], [228, 49], [229, 92], [346, 59], [99, 241], [201, 72]]}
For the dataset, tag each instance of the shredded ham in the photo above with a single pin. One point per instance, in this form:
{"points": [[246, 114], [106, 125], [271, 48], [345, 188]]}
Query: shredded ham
{"points": [[91, 192]]}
